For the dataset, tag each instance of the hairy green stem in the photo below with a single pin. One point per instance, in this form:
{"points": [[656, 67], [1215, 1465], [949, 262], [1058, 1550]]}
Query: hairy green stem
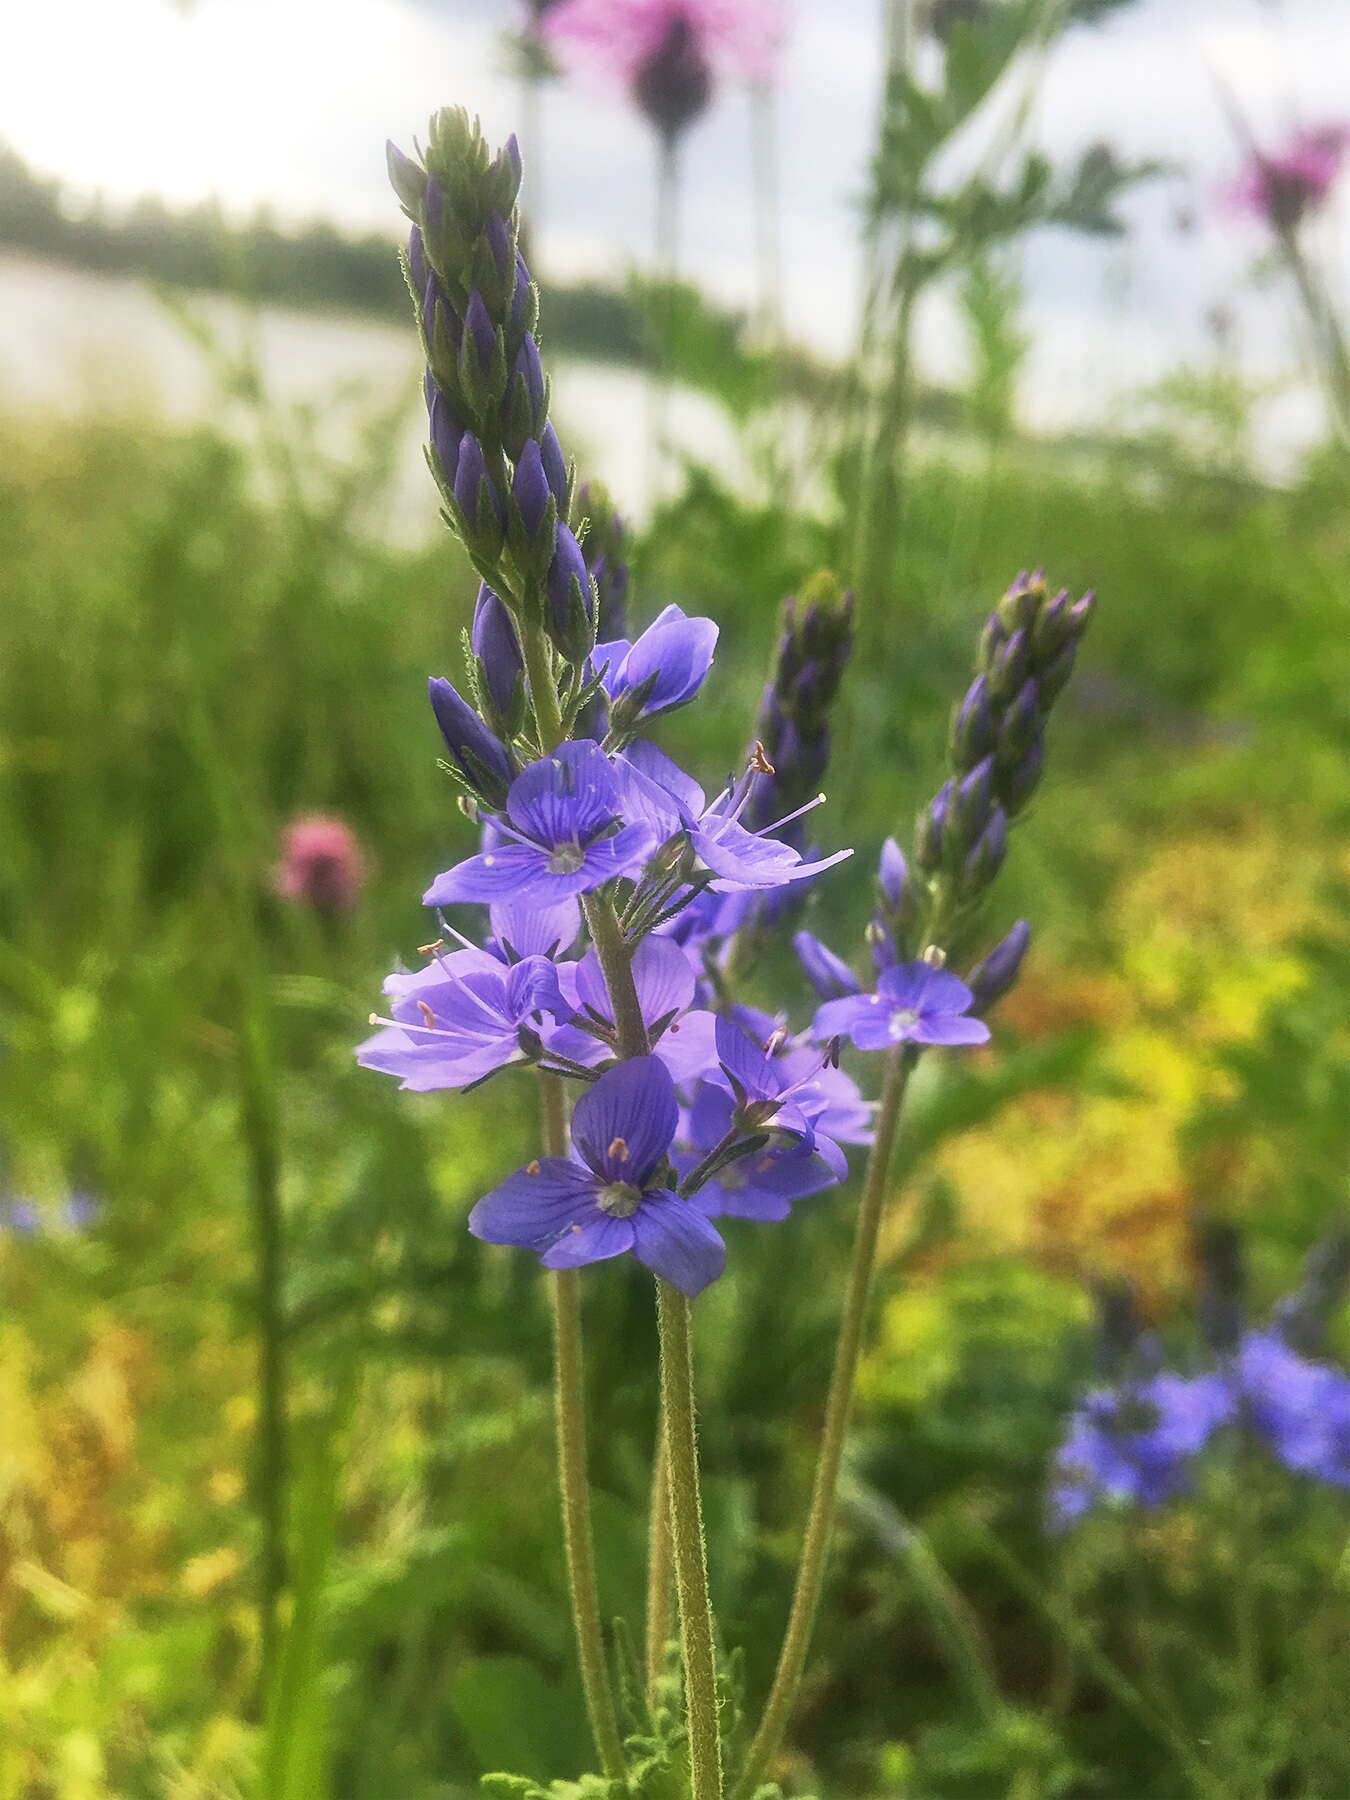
{"points": [[543, 687], [659, 1569], [816, 1543], [686, 1529], [570, 1417], [616, 962]]}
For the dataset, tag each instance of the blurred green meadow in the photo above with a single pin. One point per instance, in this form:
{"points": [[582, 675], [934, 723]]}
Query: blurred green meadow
{"points": [[199, 644]]}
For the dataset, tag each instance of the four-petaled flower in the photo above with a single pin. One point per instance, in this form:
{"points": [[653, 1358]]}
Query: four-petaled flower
{"points": [[459, 1019], [914, 1004], [664, 669], [560, 818], [617, 1197]]}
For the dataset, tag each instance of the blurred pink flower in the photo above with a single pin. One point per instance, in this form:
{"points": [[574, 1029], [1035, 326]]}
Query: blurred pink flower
{"points": [[321, 864], [670, 53], [1282, 187]]}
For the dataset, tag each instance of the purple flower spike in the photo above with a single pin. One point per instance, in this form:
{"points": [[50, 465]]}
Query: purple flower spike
{"points": [[617, 1198], [914, 1004], [664, 669], [828, 974], [560, 843]]}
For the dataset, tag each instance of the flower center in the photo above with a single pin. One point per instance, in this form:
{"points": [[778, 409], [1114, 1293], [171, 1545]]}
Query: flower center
{"points": [[620, 1199], [905, 1015], [566, 859]]}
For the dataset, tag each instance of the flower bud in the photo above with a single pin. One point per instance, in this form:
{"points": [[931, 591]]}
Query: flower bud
{"points": [[1021, 603], [417, 261], [1053, 627], [986, 859], [970, 809], [555, 467], [828, 974], [532, 519], [569, 613], [929, 828], [478, 327], [991, 979], [885, 951], [525, 409], [501, 666], [1021, 724], [1056, 674], [893, 874], [501, 185], [478, 500], [1011, 664], [447, 436], [1016, 788], [524, 313], [481, 759], [407, 178], [972, 731], [673, 84]]}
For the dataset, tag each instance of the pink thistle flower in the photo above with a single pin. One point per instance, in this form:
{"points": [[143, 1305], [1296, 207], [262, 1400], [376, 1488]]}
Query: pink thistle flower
{"points": [[669, 54], [322, 864], [1282, 187]]}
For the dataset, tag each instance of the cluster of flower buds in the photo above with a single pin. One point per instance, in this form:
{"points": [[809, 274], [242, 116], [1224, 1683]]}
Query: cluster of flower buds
{"points": [[495, 455], [997, 742], [793, 727]]}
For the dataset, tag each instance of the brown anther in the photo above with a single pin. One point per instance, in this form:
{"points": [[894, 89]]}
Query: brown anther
{"points": [[775, 1040], [532, 1167], [759, 762], [428, 1017], [618, 1150], [430, 949]]}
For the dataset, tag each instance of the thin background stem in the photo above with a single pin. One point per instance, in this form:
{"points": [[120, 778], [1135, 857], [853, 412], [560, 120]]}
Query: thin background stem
{"points": [[660, 1568], [815, 1545]]}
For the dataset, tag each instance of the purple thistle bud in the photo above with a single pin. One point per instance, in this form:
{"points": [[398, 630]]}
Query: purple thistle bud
{"points": [[568, 613], [478, 324], [480, 757], [447, 435], [531, 492], [674, 84], [417, 260], [986, 859], [1020, 724], [407, 178], [893, 874], [497, 648], [928, 832], [1018, 787], [555, 468], [991, 979], [972, 733]]}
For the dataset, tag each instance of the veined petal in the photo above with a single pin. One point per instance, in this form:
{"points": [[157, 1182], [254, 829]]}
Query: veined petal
{"points": [[745, 1063], [677, 1243], [531, 1210], [589, 1240], [500, 874], [656, 767], [567, 797], [427, 1064], [634, 1106], [677, 652], [609, 857], [840, 1018], [663, 977], [919, 987], [742, 859], [947, 1028], [532, 986], [613, 654], [536, 930], [828, 974], [688, 1048]]}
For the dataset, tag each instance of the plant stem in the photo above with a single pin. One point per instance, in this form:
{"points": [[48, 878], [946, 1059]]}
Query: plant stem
{"points": [[543, 688], [570, 1417], [616, 962], [686, 1527], [659, 1571], [815, 1545]]}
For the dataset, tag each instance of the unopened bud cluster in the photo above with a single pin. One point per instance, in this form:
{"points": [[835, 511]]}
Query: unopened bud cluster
{"points": [[793, 726], [997, 743], [495, 455]]}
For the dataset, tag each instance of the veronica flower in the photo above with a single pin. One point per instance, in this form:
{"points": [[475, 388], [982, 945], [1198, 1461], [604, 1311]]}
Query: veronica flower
{"points": [[459, 1019], [664, 981], [671, 801], [1136, 1443], [914, 1004], [664, 669], [616, 1197], [763, 1184], [1301, 1408], [559, 826], [321, 864]]}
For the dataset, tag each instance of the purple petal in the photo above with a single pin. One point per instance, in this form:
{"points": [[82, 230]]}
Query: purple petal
{"points": [[677, 1243], [531, 1210], [593, 1240], [610, 657], [919, 987], [947, 1028], [840, 1018], [663, 977], [609, 857], [532, 986], [425, 1064], [828, 974], [677, 652], [745, 1063], [510, 872], [536, 930], [740, 858], [565, 798], [655, 766], [689, 1048], [632, 1105]]}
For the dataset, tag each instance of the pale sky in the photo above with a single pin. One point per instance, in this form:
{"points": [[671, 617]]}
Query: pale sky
{"points": [[288, 102]]}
